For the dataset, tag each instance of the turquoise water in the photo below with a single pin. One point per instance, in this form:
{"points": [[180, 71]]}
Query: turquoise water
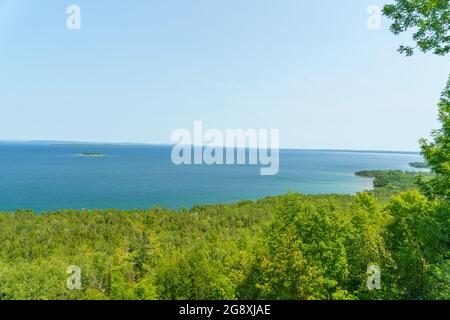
{"points": [[43, 176]]}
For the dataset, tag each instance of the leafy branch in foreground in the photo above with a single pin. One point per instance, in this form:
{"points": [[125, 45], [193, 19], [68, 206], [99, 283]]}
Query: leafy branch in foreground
{"points": [[430, 20]]}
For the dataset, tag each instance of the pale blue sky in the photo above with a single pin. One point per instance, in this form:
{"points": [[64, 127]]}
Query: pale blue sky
{"points": [[137, 70]]}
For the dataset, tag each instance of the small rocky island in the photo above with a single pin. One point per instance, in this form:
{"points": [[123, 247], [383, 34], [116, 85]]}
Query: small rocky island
{"points": [[92, 154]]}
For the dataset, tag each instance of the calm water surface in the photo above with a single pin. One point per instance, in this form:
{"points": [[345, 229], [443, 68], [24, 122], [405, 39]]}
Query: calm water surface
{"points": [[46, 176]]}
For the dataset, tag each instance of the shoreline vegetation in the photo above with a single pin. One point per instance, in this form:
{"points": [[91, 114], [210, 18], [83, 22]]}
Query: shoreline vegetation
{"points": [[389, 182], [291, 246], [419, 165]]}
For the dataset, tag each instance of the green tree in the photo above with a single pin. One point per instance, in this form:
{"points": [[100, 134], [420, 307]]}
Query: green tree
{"points": [[437, 153], [320, 250], [416, 239], [194, 274], [428, 19]]}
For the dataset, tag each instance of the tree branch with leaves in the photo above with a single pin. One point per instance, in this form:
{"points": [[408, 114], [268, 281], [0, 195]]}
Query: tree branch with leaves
{"points": [[429, 20]]}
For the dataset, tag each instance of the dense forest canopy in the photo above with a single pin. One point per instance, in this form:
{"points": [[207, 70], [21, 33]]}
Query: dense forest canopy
{"points": [[286, 247]]}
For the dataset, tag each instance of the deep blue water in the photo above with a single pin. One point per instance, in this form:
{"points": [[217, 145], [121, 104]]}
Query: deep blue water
{"points": [[48, 177]]}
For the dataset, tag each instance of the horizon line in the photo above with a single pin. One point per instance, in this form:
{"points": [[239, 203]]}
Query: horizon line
{"points": [[99, 143]]}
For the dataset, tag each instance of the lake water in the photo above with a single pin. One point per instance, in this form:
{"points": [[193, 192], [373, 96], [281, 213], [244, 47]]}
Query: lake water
{"points": [[49, 176]]}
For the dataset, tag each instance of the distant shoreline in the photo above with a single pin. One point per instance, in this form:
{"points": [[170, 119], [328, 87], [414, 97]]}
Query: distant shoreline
{"points": [[136, 144]]}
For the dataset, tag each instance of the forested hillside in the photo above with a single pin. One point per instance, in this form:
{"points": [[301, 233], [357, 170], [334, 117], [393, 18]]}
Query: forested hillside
{"points": [[287, 247]]}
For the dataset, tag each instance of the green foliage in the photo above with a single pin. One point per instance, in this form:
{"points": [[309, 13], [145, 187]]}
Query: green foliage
{"points": [[418, 240], [298, 239], [394, 179], [197, 274], [390, 182], [437, 153], [419, 235], [319, 250], [286, 247], [428, 19]]}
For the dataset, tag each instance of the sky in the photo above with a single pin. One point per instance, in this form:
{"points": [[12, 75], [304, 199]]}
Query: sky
{"points": [[138, 70]]}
